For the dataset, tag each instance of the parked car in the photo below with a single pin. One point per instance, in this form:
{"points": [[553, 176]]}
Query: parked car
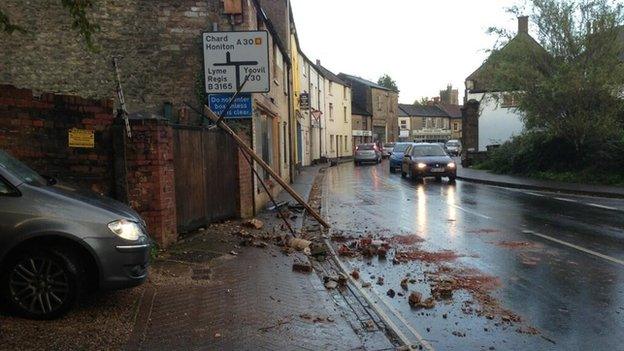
{"points": [[57, 242], [367, 153], [396, 159], [454, 147], [386, 150], [428, 160]]}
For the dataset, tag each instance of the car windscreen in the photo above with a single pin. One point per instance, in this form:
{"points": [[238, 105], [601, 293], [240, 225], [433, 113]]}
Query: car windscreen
{"points": [[401, 147], [389, 145], [452, 143], [428, 150], [20, 170], [366, 147]]}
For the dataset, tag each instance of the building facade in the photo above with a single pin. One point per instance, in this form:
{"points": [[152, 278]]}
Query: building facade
{"points": [[161, 68], [424, 123], [499, 118], [338, 120], [380, 103]]}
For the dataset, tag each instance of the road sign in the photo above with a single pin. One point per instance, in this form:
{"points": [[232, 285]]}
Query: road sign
{"points": [[304, 101], [241, 107], [230, 57], [81, 138]]}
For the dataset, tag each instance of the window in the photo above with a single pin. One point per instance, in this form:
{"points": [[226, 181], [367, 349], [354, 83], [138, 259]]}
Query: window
{"points": [[5, 189], [331, 143], [344, 112], [509, 101], [264, 143], [378, 102], [331, 88], [274, 60], [345, 143], [331, 111], [364, 123], [455, 126], [345, 92]]}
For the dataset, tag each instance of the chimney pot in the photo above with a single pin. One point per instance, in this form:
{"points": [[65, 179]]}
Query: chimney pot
{"points": [[318, 62], [523, 24]]}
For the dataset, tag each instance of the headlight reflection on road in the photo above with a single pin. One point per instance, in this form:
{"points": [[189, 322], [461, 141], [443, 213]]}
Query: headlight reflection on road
{"points": [[421, 215], [452, 210]]}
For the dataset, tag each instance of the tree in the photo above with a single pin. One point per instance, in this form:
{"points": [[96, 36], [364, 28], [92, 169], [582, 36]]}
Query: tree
{"points": [[572, 90], [77, 9], [424, 101], [387, 82]]}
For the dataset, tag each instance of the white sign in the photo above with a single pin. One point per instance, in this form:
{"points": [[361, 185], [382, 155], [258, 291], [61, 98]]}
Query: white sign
{"points": [[362, 133], [404, 133], [232, 57]]}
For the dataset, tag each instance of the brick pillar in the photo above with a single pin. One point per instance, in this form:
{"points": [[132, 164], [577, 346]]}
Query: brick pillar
{"points": [[245, 181], [151, 184]]}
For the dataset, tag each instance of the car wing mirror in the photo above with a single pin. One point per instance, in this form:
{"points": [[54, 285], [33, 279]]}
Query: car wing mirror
{"points": [[50, 180]]}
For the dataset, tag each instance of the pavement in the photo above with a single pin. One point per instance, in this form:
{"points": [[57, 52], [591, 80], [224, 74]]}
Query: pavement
{"points": [[210, 293], [524, 269], [486, 177]]}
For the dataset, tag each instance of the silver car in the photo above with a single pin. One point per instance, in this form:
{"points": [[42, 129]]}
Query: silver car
{"points": [[367, 153], [387, 149], [453, 147], [56, 242]]}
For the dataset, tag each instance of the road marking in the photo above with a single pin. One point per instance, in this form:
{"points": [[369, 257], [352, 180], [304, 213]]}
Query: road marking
{"points": [[564, 199], [470, 211], [580, 248], [535, 194], [603, 206]]}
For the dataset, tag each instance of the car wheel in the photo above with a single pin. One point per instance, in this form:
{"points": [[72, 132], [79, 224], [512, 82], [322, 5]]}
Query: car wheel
{"points": [[42, 284], [451, 179]]}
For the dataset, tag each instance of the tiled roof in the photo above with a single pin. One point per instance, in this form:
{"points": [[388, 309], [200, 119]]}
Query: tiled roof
{"points": [[453, 111], [422, 111], [330, 75], [356, 109], [349, 77]]}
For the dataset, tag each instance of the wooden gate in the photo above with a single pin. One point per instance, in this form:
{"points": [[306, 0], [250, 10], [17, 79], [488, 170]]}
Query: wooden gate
{"points": [[206, 183]]}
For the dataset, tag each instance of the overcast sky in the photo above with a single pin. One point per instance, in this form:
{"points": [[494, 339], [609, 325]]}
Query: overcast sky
{"points": [[422, 44]]}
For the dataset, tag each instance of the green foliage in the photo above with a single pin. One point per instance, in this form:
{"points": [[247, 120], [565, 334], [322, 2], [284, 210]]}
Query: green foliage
{"points": [[572, 89], [423, 101], [8, 27], [387, 82], [78, 10], [545, 156]]}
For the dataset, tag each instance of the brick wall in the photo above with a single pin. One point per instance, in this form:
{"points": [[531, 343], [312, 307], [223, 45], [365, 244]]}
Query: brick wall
{"points": [[151, 183], [35, 130]]}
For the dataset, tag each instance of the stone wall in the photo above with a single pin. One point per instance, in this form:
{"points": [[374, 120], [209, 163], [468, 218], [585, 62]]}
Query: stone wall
{"points": [[159, 43]]}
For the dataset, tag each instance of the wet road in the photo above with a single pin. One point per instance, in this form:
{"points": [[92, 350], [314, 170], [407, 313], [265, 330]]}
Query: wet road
{"points": [[559, 258]]}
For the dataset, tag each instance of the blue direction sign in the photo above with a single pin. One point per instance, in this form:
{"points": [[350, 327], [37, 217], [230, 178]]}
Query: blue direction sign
{"points": [[241, 107]]}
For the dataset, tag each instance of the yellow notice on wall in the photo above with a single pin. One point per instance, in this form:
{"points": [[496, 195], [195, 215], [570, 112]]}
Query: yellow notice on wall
{"points": [[83, 138]]}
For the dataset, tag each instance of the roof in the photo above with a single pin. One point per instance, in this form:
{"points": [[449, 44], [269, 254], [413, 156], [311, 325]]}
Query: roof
{"points": [[521, 44], [330, 75], [453, 111], [356, 109], [368, 83], [422, 111]]}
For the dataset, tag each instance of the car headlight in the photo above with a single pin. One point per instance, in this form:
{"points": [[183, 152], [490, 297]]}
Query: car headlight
{"points": [[451, 165], [422, 166], [125, 229]]}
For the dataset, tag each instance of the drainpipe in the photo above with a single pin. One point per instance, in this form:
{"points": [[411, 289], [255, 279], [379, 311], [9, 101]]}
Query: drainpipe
{"points": [[291, 107]]}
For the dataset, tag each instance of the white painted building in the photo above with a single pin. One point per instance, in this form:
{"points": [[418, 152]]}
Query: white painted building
{"points": [[499, 120]]}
